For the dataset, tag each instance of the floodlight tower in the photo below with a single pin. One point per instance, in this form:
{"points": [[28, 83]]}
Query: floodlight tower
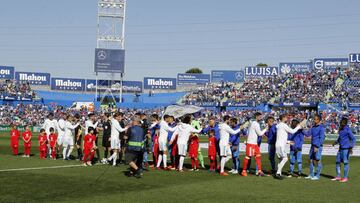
{"points": [[111, 35]]}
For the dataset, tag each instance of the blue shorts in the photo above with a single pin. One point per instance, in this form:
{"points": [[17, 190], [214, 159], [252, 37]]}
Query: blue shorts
{"points": [[342, 156], [295, 156], [315, 156], [235, 153]]}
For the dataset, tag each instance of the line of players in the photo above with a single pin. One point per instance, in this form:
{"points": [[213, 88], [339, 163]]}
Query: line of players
{"points": [[69, 135], [224, 139]]}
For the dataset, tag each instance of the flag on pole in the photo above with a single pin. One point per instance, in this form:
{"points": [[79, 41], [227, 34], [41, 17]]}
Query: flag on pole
{"points": [[178, 111]]}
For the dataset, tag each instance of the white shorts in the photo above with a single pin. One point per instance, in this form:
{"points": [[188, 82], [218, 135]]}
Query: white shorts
{"points": [[162, 146], [68, 141], [182, 149], [60, 140], [115, 143], [225, 150], [280, 152]]}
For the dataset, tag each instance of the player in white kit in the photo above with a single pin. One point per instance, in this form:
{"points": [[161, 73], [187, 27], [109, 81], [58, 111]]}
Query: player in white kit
{"points": [[50, 122], [164, 132], [68, 141], [183, 133], [116, 129], [61, 131], [252, 147], [282, 130], [224, 144]]}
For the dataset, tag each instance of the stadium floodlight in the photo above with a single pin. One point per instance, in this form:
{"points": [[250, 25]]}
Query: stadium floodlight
{"points": [[111, 32]]}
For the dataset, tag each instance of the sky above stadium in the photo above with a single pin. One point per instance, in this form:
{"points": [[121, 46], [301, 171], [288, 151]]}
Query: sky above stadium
{"points": [[166, 37]]}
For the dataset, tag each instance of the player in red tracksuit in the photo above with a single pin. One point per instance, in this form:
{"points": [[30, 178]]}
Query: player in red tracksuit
{"points": [[193, 152], [212, 150], [89, 146], [174, 153], [42, 144], [52, 141], [156, 147], [26, 136], [15, 134]]}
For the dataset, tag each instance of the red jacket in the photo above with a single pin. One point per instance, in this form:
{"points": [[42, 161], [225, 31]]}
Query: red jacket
{"points": [[89, 141], [194, 146], [15, 134], [42, 141], [27, 137], [212, 146], [52, 139]]}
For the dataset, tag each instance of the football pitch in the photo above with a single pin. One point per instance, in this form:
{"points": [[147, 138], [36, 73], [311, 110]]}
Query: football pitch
{"points": [[35, 180]]}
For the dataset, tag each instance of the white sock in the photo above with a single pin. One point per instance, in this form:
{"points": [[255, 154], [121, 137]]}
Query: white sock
{"points": [[70, 151], [165, 160], [159, 161], [64, 152], [227, 159], [222, 164], [281, 165], [114, 158], [181, 163], [111, 157]]}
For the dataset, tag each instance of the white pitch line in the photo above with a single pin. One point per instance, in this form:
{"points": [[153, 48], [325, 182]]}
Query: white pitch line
{"points": [[39, 168]]}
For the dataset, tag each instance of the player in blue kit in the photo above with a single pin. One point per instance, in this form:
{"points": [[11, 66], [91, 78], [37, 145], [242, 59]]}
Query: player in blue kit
{"points": [[346, 142], [235, 146], [317, 133], [271, 135], [296, 142]]}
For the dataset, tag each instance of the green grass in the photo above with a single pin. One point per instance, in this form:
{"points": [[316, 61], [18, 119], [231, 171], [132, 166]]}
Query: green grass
{"points": [[105, 184]]}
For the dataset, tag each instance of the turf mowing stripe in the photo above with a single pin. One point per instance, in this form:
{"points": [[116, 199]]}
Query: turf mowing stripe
{"points": [[39, 168]]}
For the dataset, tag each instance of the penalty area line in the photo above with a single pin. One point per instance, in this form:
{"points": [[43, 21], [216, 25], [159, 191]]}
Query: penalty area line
{"points": [[39, 168]]}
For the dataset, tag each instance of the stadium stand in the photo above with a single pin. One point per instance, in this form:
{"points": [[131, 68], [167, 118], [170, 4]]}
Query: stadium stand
{"points": [[315, 86]]}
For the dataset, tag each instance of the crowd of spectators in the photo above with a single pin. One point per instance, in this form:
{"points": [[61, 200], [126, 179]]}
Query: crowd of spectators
{"points": [[16, 88], [35, 114], [315, 86]]}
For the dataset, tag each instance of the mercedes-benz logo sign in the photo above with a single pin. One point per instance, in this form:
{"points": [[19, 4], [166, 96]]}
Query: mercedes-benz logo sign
{"points": [[101, 55], [239, 75]]}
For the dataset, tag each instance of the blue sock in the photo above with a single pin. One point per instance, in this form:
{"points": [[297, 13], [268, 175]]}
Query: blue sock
{"points": [[292, 168], [300, 167], [273, 167], [237, 163], [319, 167], [338, 169], [311, 168], [234, 163], [346, 170]]}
